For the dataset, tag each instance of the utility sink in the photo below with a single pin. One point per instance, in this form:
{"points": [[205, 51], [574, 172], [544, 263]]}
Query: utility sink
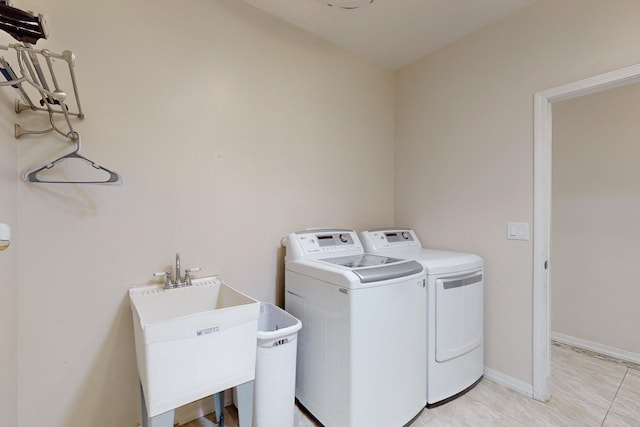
{"points": [[192, 342]]}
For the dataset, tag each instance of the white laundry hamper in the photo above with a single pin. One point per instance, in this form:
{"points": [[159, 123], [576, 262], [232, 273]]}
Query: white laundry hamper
{"points": [[274, 389]]}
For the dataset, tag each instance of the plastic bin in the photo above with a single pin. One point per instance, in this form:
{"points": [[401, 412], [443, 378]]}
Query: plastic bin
{"points": [[275, 383]]}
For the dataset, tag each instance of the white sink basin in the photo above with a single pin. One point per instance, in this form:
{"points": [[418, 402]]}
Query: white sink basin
{"points": [[192, 342]]}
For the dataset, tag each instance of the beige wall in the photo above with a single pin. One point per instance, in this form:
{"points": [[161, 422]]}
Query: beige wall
{"points": [[464, 144], [8, 268], [230, 129], [229, 125], [596, 206]]}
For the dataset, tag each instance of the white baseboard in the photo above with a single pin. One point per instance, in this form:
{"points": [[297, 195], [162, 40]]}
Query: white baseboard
{"points": [[597, 348], [509, 382]]}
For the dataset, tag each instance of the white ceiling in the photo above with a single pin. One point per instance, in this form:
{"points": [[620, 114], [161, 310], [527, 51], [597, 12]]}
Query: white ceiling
{"points": [[392, 33]]}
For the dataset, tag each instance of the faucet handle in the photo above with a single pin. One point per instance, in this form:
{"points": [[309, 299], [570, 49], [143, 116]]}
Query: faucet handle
{"points": [[187, 274], [167, 278]]}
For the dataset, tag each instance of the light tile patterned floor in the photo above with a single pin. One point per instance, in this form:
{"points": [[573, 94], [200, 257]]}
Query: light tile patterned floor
{"points": [[586, 391]]}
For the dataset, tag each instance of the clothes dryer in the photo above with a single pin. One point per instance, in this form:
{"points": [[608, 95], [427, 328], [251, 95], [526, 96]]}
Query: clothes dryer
{"points": [[361, 351], [455, 310]]}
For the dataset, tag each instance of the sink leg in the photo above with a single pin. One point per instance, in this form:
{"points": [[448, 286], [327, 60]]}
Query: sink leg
{"points": [[161, 420], [245, 404], [145, 417], [218, 402]]}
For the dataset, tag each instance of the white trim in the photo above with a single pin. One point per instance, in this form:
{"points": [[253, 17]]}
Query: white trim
{"points": [[541, 247], [509, 382], [542, 140], [606, 350]]}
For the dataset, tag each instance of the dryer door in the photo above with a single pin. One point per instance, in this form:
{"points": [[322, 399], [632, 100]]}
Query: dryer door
{"points": [[459, 314]]}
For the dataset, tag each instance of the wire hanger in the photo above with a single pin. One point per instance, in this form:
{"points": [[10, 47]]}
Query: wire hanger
{"points": [[32, 175]]}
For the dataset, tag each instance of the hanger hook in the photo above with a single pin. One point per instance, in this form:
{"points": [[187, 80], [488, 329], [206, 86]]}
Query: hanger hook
{"points": [[75, 137]]}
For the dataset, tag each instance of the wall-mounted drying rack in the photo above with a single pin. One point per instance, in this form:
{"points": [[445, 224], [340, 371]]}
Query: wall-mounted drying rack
{"points": [[31, 74], [52, 101]]}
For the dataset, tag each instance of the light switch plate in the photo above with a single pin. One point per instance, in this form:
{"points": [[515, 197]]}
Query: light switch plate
{"points": [[518, 231]]}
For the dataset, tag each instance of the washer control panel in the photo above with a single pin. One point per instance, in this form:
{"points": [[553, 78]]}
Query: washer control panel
{"points": [[389, 238], [311, 243]]}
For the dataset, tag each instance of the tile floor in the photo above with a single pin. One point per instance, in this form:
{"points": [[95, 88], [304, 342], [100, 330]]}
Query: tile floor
{"points": [[586, 391]]}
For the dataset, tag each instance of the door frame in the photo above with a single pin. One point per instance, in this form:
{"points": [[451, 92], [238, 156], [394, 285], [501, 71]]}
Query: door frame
{"points": [[542, 140]]}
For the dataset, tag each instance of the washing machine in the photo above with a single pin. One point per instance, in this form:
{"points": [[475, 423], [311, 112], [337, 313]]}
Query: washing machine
{"points": [[361, 351], [455, 311]]}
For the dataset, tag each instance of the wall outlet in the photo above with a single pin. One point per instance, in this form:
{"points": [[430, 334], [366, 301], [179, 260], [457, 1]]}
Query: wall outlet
{"points": [[518, 231], [5, 236]]}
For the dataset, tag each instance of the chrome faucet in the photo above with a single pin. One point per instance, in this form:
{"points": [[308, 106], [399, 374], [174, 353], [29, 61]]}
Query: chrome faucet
{"points": [[176, 281]]}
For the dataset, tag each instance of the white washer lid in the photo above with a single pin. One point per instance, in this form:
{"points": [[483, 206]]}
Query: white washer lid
{"points": [[374, 268]]}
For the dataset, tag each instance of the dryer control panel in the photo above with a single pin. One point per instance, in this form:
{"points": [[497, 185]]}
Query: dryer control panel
{"points": [[391, 238], [314, 244]]}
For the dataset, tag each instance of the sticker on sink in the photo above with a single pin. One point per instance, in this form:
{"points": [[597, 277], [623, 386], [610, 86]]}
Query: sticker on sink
{"points": [[207, 331]]}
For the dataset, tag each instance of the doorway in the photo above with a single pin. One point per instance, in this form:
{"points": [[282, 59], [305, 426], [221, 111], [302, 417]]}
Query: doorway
{"points": [[543, 102]]}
